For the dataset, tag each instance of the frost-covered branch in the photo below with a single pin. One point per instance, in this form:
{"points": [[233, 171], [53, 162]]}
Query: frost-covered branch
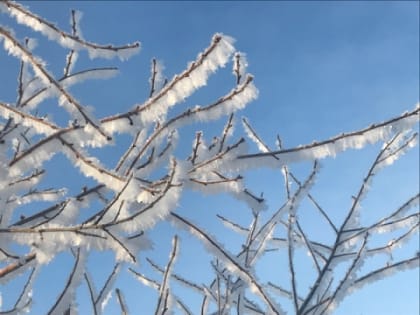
{"points": [[331, 147], [164, 299], [117, 212], [65, 99], [72, 41], [230, 261]]}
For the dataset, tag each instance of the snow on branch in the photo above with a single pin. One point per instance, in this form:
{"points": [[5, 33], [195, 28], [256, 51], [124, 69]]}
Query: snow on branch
{"points": [[41, 125], [31, 99], [39, 222], [331, 147], [380, 273], [178, 89], [233, 101], [74, 42], [65, 99]]}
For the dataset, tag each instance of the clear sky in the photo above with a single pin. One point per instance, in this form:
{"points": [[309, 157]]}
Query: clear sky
{"points": [[321, 68]]}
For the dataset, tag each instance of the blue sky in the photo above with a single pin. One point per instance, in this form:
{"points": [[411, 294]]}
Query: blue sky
{"points": [[322, 68]]}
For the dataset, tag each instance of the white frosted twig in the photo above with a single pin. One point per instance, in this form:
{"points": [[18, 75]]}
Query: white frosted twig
{"points": [[163, 300], [308, 246], [240, 65], [72, 55], [146, 281], [66, 296], [156, 77], [226, 132], [292, 202], [316, 204], [290, 255], [174, 276], [121, 302], [102, 297]]}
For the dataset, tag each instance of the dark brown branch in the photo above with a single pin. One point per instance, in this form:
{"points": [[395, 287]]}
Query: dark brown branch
{"points": [[16, 265]]}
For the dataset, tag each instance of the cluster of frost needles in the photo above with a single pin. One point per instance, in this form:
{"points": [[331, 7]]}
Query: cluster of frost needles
{"points": [[134, 199]]}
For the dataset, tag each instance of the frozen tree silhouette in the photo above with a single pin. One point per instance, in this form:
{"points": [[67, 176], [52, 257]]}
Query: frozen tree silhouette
{"points": [[145, 186]]}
